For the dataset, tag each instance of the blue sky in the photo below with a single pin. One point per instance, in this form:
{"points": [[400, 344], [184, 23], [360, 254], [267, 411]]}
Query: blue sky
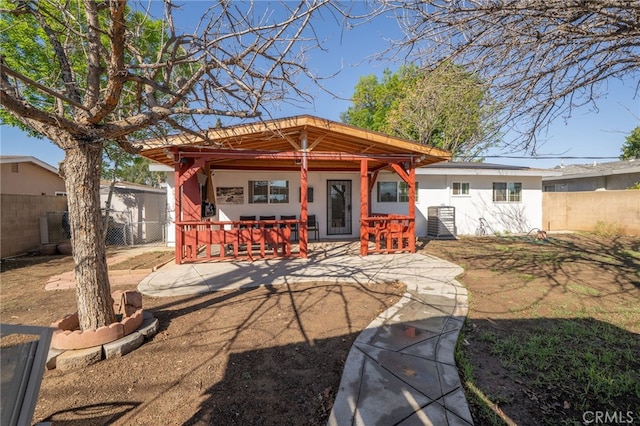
{"points": [[587, 133]]}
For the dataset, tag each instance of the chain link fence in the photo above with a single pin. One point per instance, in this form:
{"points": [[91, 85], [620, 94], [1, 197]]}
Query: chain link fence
{"points": [[121, 230]]}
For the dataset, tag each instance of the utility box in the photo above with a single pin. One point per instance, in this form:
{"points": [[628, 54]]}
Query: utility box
{"points": [[441, 222]]}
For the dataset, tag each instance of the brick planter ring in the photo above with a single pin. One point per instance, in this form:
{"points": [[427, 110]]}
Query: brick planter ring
{"points": [[67, 335]]}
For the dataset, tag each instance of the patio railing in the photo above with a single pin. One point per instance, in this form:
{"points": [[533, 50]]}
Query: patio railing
{"points": [[391, 233], [208, 241]]}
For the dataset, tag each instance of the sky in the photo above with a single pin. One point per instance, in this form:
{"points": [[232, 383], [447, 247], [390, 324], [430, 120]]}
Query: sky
{"points": [[588, 133]]}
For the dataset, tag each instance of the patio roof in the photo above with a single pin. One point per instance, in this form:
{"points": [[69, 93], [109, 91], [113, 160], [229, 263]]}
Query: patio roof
{"points": [[279, 145]]}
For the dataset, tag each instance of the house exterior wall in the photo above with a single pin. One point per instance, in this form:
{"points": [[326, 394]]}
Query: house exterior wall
{"points": [[581, 211], [30, 179], [316, 180], [433, 190], [436, 190], [170, 232]]}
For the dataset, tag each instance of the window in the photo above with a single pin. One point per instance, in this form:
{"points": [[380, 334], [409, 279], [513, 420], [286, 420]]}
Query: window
{"points": [[387, 192], [507, 192], [268, 191], [278, 191], [309, 194], [460, 188], [403, 197], [549, 188], [15, 168], [393, 192]]}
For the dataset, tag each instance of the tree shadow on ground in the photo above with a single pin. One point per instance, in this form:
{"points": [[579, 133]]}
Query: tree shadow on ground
{"points": [[291, 384], [94, 414], [556, 259]]}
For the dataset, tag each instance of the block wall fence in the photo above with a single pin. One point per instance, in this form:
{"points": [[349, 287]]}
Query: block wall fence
{"points": [[581, 211], [20, 220]]}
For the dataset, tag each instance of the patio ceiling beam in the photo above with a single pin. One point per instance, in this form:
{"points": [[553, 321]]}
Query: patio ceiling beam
{"points": [[401, 172], [317, 141], [292, 142], [273, 155]]}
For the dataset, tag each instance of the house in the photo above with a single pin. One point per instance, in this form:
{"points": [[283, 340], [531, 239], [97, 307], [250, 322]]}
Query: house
{"points": [[29, 176], [508, 198], [594, 177], [247, 177], [319, 171]]}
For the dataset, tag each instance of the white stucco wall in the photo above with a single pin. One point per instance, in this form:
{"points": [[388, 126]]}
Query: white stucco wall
{"points": [[433, 190], [514, 217], [316, 180], [171, 210]]}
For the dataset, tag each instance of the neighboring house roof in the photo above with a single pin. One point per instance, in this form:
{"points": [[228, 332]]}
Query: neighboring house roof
{"points": [[481, 169], [11, 159], [104, 184], [579, 171]]}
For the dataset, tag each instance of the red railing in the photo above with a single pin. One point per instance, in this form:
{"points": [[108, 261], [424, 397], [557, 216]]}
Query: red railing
{"points": [[208, 241], [391, 233]]}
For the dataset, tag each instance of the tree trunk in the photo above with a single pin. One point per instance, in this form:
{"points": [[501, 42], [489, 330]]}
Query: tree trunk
{"points": [[81, 169]]}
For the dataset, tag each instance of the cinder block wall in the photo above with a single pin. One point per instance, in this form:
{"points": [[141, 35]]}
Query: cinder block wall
{"points": [[20, 220], [581, 211]]}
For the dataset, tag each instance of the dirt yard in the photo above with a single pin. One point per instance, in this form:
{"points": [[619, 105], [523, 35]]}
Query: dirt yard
{"points": [[274, 355], [263, 356]]}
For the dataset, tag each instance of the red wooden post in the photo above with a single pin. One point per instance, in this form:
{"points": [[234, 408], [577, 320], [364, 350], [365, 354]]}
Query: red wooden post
{"points": [[364, 207], [178, 211], [188, 198], [304, 214], [412, 209]]}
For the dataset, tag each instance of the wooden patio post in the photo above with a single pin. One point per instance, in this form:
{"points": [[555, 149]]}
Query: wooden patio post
{"points": [[364, 207], [412, 208], [178, 209], [304, 234], [188, 198]]}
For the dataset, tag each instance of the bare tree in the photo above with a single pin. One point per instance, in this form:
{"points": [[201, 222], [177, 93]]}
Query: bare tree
{"points": [[543, 58], [82, 73]]}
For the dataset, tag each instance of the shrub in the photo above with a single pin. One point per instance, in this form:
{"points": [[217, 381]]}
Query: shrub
{"points": [[607, 229]]}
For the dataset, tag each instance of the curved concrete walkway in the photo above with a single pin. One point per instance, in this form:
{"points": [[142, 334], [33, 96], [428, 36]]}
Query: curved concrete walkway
{"points": [[401, 368]]}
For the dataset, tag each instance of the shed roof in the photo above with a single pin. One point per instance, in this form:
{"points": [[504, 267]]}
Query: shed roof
{"points": [[330, 146]]}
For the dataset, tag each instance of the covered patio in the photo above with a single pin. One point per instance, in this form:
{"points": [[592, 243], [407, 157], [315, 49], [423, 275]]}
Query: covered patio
{"points": [[301, 144]]}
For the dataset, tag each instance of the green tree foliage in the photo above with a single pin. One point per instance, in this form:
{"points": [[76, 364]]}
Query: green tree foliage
{"points": [[446, 107], [631, 148], [91, 74], [119, 165], [373, 99]]}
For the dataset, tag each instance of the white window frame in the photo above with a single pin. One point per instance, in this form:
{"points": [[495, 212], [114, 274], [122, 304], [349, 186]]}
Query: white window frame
{"points": [[403, 192], [271, 193], [512, 192], [461, 189]]}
